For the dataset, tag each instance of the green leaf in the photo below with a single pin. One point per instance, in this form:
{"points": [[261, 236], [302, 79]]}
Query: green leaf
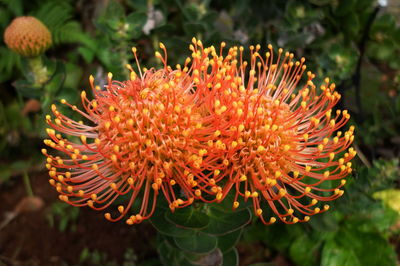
{"points": [[351, 25], [391, 197], [345, 7], [191, 12], [320, 2], [228, 241], [74, 75], [15, 6], [370, 248], [303, 250], [26, 89], [54, 14], [231, 258], [189, 218], [114, 10], [139, 4], [10, 61], [135, 22], [20, 165], [85, 254], [5, 174], [335, 255], [165, 227], [193, 29], [325, 223], [168, 255], [353, 247], [197, 243], [56, 81], [87, 54], [222, 223]]}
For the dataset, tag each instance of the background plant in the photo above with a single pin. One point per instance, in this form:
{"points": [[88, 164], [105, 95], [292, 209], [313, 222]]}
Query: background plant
{"points": [[354, 42]]}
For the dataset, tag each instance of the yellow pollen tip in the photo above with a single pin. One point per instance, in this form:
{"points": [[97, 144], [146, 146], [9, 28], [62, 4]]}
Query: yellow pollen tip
{"points": [[286, 147], [296, 174], [219, 196], [314, 201], [155, 186]]}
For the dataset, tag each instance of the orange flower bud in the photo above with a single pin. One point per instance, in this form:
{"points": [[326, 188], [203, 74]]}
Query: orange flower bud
{"points": [[27, 36]]}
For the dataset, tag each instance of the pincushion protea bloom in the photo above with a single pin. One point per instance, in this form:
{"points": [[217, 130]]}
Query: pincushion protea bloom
{"points": [[278, 141], [144, 136], [27, 36]]}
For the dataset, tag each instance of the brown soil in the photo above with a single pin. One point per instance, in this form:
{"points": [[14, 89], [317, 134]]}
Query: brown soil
{"points": [[30, 240]]}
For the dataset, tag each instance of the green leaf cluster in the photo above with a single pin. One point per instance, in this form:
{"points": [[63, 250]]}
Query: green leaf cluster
{"points": [[199, 234]]}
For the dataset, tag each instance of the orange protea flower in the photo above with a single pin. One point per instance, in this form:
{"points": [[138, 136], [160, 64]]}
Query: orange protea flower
{"points": [[144, 136], [278, 142], [27, 36]]}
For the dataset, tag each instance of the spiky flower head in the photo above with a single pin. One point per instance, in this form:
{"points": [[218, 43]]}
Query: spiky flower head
{"points": [[27, 36], [279, 144], [143, 137], [218, 124]]}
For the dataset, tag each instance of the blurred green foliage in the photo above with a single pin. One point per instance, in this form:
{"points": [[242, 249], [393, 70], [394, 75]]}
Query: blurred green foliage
{"points": [[63, 216], [354, 42]]}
